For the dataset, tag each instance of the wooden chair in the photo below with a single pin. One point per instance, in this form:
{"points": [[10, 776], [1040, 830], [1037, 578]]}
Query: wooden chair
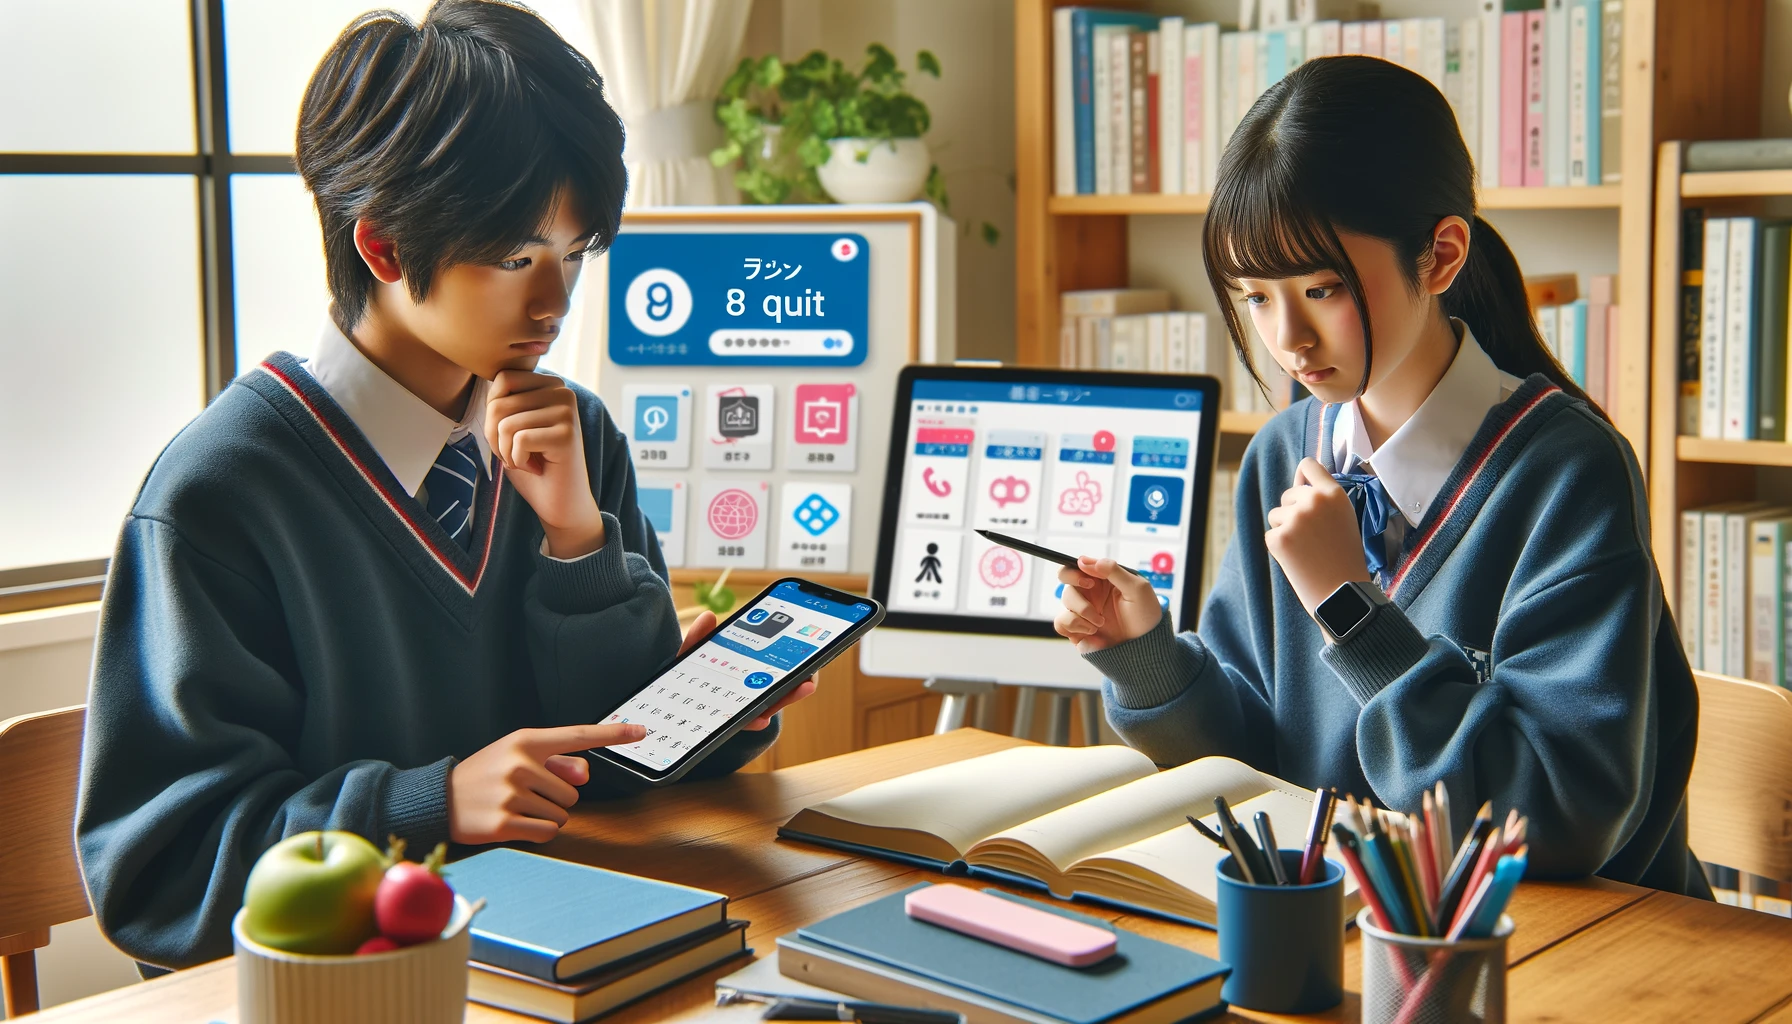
{"points": [[1740, 794], [40, 878]]}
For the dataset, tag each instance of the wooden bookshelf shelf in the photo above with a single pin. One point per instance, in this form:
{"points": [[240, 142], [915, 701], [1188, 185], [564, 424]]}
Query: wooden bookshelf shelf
{"points": [[1699, 184], [1596, 197], [1247, 423], [1735, 453]]}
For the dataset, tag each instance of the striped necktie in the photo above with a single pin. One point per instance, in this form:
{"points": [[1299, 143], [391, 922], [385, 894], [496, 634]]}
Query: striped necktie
{"points": [[449, 486]]}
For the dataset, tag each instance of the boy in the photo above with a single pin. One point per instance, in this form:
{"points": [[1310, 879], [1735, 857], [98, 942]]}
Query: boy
{"points": [[384, 589]]}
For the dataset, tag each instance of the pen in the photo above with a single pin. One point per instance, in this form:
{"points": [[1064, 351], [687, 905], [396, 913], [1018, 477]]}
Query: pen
{"points": [[1234, 833], [1267, 835], [1325, 807], [1455, 889], [781, 1007], [1446, 835], [1038, 550], [1207, 833]]}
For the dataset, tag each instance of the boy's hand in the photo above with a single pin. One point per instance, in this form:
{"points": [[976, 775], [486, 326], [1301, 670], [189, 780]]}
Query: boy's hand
{"points": [[520, 786], [1314, 536], [705, 624], [532, 425], [1104, 605]]}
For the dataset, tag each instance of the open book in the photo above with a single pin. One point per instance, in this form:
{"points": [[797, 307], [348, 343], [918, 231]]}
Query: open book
{"points": [[1100, 824]]}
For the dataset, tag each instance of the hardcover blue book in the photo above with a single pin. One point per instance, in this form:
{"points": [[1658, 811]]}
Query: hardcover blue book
{"points": [[553, 919], [1141, 973], [1083, 21]]}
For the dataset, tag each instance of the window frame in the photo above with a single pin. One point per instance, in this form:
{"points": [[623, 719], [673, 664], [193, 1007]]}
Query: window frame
{"points": [[211, 168]]}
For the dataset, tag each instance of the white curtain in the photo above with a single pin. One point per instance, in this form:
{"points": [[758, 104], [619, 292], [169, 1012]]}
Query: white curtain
{"points": [[662, 62]]}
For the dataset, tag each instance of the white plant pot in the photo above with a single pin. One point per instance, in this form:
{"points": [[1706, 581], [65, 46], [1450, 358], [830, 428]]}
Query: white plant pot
{"points": [[421, 984], [893, 170]]}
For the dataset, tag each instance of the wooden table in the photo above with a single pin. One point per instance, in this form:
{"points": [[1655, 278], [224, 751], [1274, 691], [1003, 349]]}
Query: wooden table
{"points": [[1583, 951]]}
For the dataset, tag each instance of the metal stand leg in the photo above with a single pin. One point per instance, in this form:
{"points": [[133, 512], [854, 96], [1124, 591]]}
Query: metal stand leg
{"points": [[1089, 703], [1057, 721], [1023, 712], [957, 694], [985, 706]]}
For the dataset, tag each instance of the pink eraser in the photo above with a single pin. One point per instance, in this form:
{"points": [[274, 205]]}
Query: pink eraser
{"points": [[1013, 925]]}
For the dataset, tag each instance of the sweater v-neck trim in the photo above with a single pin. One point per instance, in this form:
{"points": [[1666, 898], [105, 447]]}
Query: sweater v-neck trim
{"points": [[1503, 434], [315, 415]]}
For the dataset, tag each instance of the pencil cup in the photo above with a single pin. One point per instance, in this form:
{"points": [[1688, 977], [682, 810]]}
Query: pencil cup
{"points": [[1409, 980], [1285, 942]]}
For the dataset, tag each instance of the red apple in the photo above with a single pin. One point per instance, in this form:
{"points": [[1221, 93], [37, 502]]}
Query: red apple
{"points": [[377, 944], [414, 903], [314, 893]]}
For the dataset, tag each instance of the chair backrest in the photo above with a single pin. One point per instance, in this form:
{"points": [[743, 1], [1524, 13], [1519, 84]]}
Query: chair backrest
{"points": [[40, 764], [1740, 795]]}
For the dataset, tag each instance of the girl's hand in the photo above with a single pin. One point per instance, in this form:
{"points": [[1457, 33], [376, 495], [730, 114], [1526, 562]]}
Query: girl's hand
{"points": [[705, 624], [521, 786], [1104, 605], [1314, 536], [532, 424]]}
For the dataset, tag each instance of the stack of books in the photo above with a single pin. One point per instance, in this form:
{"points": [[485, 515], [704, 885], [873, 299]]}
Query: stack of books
{"points": [[567, 942], [1734, 327], [1583, 336], [1143, 103], [1736, 589]]}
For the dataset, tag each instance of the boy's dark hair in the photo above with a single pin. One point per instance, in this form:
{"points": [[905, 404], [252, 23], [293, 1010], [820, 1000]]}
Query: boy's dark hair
{"points": [[454, 137]]}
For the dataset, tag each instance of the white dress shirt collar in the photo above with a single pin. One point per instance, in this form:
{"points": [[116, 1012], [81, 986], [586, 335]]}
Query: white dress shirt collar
{"points": [[1414, 463], [405, 430]]}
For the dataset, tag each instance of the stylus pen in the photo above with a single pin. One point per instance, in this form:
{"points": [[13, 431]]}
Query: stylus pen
{"points": [[1267, 834], [780, 1007], [1029, 548]]}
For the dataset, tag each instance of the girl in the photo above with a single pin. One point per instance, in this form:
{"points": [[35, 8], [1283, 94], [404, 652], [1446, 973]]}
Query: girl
{"points": [[1442, 567]]}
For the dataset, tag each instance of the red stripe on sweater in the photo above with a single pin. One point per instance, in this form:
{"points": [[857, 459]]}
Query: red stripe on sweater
{"points": [[386, 496], [1467, 482]]}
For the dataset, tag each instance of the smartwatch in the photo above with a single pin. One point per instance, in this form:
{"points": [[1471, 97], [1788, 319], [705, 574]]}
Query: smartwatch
{"points": [[1348, 609]]}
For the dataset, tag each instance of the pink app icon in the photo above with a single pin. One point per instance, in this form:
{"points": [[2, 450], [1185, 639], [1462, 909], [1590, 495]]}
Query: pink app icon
{"points": [[821, 413]]}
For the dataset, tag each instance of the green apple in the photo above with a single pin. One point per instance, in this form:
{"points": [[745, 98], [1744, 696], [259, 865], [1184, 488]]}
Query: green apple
{"points": [[313, 893]]}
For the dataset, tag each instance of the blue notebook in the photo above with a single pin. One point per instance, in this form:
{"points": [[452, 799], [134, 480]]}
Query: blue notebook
{"points": [[553, 919], [1143, 972]]}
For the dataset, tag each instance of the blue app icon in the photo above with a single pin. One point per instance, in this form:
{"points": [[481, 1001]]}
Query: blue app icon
{"points": [[656, 504], [1156, 500], [816, 515], [656, 418], [757, 680], [757, 615]]}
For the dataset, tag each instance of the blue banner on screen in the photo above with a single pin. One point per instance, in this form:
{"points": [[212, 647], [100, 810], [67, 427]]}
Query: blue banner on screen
{"points": [[739, 299]]}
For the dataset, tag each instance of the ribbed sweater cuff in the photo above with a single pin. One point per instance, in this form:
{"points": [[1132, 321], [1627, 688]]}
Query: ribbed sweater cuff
{"points": [[588, 584], [416, 805], [1386, 649], [1147, 670]]}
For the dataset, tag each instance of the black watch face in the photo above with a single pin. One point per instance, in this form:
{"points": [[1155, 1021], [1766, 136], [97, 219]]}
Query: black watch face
{"points": [[1341, 612]]}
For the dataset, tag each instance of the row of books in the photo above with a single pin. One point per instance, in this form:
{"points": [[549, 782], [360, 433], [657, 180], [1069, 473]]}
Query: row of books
{"points": [[1144, 104], [1736, 589], [1221, 521], [1583, 336], [1736, 275], [567, 942]]}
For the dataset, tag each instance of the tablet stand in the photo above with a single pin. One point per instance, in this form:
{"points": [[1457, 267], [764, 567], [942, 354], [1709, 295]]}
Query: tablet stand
{"points": [[958, 696]]}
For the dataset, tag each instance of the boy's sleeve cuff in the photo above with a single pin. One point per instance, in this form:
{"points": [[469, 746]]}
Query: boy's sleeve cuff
{"points": [[1388, 646], [592, 583], [416, 804], [1148, 670]]}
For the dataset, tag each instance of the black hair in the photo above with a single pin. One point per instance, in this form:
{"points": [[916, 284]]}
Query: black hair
{"points": [[1362, 145], [454, 137]]}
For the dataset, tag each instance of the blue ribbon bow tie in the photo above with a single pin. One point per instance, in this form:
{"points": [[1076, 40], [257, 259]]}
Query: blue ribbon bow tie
{"points": [[1374, 512]]}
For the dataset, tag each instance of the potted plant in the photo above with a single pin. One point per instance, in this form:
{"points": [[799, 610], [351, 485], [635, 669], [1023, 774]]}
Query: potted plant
{"points": [[811, 131]]}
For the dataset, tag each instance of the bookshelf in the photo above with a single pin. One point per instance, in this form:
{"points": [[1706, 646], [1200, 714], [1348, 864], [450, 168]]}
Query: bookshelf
{"points": [[1697, 76], [1689, 472]]}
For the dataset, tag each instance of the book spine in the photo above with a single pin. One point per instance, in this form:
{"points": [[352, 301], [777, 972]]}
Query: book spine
{"points": [[1267, 41], [1228, 93], [1454, 73], [1611, 92], [1511, 107], [1351, 38], [1592, 47], [1176, 343], [1247, 75], [1294, 50], [1082, 70], [1711, 637], [1549, 320], [1434, 60], [1575, 335], [1711, 326], [1193, 104], [1157, 342], [525, 960], [1597, 314], [1692, 578], [1735, 591], [1412, 44], [1211, 98], [1536, 105], [1555, 93], [1577, 96], [1785, 677], [1614, 354], [1487, 156], [1138, 110], [1765, 642], [1393, 41], [1104, 342], [1770, 334], [1373, 43], [1067, 342], [1064, 129], [1170, 36], [1739, 321], [1120, 114], [1692, 276], [1102, 61]]}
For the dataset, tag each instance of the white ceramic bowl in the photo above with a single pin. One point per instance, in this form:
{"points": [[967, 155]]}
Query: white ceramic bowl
{"points": [[421, 984], [893, 170]]}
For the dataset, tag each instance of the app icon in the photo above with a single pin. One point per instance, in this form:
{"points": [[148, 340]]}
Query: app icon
{"points": [[771, 625], [733, 514], [737, 416], [656, 418], [656, 504], [821, 413], [816, 515], [1156, 500], [1000, 567], [757, 680], [758, 615]]}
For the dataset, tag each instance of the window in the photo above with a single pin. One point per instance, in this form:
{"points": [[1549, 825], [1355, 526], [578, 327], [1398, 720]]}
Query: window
{"points": [[157, 241]]}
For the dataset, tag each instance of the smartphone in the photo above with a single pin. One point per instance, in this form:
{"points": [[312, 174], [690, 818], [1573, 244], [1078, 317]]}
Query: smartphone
{"points": [[756, 656]]}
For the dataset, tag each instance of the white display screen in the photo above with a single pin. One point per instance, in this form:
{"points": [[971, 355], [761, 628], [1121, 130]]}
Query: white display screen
{"points": [[756, 651], [1101, 470]]}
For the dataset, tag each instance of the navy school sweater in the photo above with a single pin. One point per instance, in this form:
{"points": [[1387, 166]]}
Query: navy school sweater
{"points": [[1526, 657], [289, 642]]}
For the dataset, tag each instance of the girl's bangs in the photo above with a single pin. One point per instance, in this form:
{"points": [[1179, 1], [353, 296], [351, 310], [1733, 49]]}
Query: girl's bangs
{"points": [[1257, 228]]}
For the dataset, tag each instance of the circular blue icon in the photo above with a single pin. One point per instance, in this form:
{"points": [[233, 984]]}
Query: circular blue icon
{"points": [[757, 615], [757, 680]]}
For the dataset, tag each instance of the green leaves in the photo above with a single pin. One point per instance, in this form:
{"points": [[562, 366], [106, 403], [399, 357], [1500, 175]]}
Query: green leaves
{"points": [[716, 599], [927, 62]]}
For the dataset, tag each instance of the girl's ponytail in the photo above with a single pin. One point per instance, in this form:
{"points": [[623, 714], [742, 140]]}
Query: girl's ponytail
{"points": [[1488, 295]]}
